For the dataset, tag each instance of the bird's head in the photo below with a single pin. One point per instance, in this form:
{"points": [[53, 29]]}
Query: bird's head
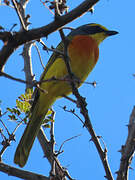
{"points": [[96, 31]]}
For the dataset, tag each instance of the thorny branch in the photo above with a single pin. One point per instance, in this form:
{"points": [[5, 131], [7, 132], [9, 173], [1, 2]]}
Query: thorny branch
{"points": [[83, 110], [15, 3], [47, 149], [127, 150], [26, 53], [11, 136]]}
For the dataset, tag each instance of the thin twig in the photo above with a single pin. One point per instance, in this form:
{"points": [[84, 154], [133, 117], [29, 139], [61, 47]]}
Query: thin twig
{"points": [[5, 127], [6, 142], [3, 114], [4, 4], [73, 112], [70, 99], [19, 14], [67, 141], [40, 58], [15, 79], [33, 83], [17, 126], [54, 50], [47, 7], [46, 146]]}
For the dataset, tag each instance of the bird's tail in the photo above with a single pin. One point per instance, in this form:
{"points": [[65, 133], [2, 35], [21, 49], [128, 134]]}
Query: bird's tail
{"points": [[27, 140]]}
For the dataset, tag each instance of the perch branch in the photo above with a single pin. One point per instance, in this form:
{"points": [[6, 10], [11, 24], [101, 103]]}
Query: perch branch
{"points": [[83, 110]]}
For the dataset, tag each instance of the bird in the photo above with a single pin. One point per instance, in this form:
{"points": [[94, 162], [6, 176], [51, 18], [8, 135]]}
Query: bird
{"points": [[83, 52]]}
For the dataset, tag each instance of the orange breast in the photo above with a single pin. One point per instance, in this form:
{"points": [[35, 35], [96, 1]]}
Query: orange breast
{"points": [[83, 52]]}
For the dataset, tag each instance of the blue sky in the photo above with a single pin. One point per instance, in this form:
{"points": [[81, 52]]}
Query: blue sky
{"points": [[109, 104]]}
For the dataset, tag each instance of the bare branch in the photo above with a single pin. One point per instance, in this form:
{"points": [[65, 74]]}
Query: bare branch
{"points": [[6, 141], [28, 65], [70, 99], [127, 151], [46, 147], [73, 112], [11, 171], [14, 78], [52, 144]]}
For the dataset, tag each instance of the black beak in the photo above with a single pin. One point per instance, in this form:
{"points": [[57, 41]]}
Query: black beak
{"points": [[111, 33]]}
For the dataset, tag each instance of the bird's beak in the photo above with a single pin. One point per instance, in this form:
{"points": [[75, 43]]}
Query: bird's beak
{"points": [[111, 33]]}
